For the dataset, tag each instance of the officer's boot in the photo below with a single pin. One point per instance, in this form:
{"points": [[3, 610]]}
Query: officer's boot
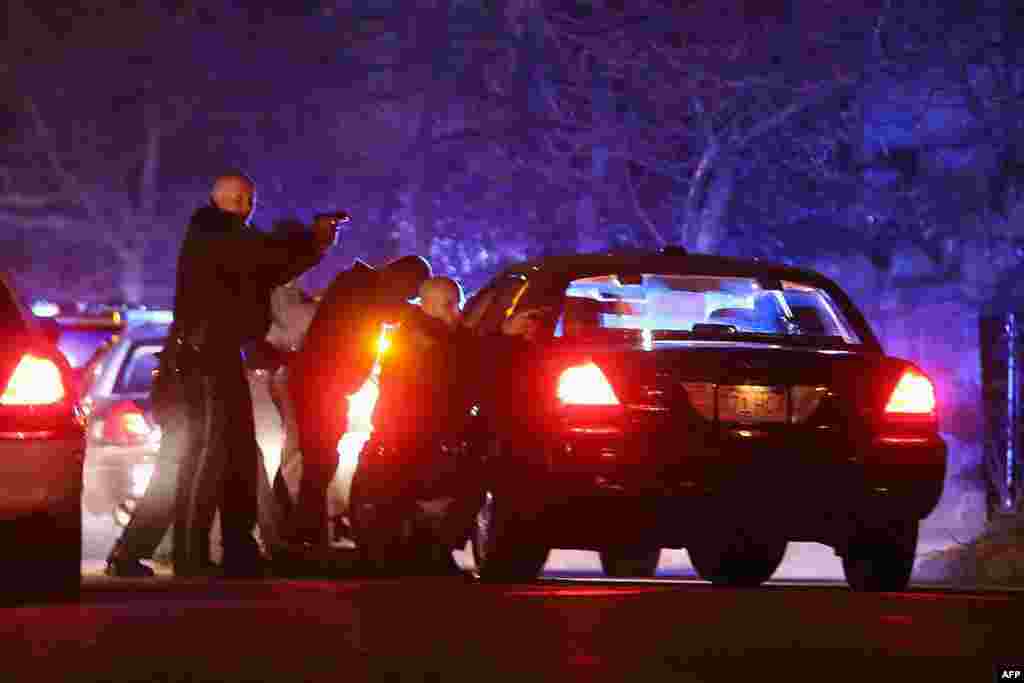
{"points": [[123, 564]]}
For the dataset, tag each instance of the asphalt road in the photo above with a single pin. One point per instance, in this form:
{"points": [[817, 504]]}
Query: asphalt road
{"points": [[443, 629]]}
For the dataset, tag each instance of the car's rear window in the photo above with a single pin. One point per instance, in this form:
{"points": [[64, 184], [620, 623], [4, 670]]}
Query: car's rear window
{"points": [[136, 376], [79, 343], [699, 305]]}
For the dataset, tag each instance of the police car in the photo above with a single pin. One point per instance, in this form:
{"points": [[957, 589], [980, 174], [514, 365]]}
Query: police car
{"points": [[725, 406]]}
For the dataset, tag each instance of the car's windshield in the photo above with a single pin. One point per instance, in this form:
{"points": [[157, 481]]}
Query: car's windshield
{"points": [[136, 376], [700, 306]]}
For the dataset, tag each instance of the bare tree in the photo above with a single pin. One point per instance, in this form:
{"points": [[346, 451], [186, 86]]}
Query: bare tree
{"points": [[81, 194]]}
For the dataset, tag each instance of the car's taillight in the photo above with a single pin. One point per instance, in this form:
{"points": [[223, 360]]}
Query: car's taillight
{"points": [[585, 385], [126, 424], [914, 395], [36, 381]]}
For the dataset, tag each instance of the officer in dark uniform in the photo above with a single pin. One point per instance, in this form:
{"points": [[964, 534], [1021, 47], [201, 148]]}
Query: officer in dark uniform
{"points": [[226, 273], [336, 357]]}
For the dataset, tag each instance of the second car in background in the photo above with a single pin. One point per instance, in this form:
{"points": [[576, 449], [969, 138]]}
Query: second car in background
{"points": [[122, 435]]}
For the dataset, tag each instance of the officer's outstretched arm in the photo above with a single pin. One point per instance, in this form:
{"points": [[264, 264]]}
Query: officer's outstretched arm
{"points": [[270, 259]]}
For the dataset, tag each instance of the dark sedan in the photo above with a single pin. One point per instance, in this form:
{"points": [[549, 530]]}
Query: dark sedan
{"points": [[688, 401]]}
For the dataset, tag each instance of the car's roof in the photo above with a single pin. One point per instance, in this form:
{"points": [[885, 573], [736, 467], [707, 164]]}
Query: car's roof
{"points": [[146, 332], [697, 264]]}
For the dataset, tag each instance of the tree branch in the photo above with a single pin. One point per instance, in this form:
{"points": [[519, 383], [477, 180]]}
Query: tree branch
{"points": [[640, 212]]}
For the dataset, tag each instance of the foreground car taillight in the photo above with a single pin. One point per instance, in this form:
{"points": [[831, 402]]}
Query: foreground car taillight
{"points": [[585, 385], [914, 395], [36, 381]]}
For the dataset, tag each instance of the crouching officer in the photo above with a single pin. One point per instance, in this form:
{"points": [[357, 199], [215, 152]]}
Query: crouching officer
{"points": [[415, 459]]}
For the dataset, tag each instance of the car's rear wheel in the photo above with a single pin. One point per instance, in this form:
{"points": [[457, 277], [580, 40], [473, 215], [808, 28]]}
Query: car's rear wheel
{"points": [[882, 559], [505, 549], [622, 562], [738, 559], [45, 559]]}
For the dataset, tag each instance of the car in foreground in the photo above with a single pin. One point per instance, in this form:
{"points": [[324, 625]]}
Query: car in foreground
{"points": [[42, 449], [724, 406]]}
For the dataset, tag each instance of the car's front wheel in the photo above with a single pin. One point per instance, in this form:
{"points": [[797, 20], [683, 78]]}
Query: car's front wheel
{"points": [[739, 560], [882, 560], [626, 562], [504, 545]]}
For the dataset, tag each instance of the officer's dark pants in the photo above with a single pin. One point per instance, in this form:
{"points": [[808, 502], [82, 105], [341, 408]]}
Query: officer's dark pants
{"points": [[154, 512], [322, 417], [220, 470]]}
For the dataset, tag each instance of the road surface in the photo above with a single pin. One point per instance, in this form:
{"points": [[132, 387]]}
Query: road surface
{"points": [[441, 629]]}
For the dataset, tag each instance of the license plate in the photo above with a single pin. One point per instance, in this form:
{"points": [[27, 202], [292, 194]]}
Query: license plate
{"points": [[751, 404]]}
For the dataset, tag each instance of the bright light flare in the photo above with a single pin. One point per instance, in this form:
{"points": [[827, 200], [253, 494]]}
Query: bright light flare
{"points": [[585, 385], [360, 407], [914, 395], [36, 381], [142, 473]]}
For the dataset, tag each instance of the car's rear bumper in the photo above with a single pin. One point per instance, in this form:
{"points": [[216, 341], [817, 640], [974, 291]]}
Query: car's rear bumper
{"points": [[39, 474], [598, 489]]}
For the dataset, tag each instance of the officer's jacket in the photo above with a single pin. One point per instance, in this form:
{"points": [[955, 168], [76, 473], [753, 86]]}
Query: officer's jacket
{"points": [[226, 273], [340, 346]]}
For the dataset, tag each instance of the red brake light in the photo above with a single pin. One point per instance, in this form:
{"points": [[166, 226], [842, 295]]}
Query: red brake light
{"points": [[36, 381], [126, 424], [585, 385], [914, 395]]}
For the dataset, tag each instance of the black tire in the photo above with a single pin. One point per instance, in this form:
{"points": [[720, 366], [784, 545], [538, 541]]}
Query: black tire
{"points": [[630, 562], [738, 560], [505, 549], [882, 560], [45, 560]]}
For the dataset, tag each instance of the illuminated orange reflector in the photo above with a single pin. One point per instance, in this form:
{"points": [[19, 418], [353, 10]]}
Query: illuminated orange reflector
{"points": [[585, 385], [914, 394], [36, 381]]}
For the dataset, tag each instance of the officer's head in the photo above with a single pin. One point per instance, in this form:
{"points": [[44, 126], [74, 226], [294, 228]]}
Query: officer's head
{"points": [[403, 277], [440, 298], [234, 193]]}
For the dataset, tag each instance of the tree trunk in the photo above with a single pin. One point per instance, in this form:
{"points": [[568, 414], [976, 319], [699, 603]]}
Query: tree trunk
{"points": [[707, 202], [133, 275]]}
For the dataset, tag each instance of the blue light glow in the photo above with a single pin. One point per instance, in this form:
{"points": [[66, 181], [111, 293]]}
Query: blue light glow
{"points": [[45, 309]]}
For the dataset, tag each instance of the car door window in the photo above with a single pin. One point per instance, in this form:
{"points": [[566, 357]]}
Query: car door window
{"points": [[137, 372]]}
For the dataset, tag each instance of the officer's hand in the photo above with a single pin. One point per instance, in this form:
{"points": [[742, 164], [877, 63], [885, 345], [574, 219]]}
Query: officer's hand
{"points": [[525, 323]]}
